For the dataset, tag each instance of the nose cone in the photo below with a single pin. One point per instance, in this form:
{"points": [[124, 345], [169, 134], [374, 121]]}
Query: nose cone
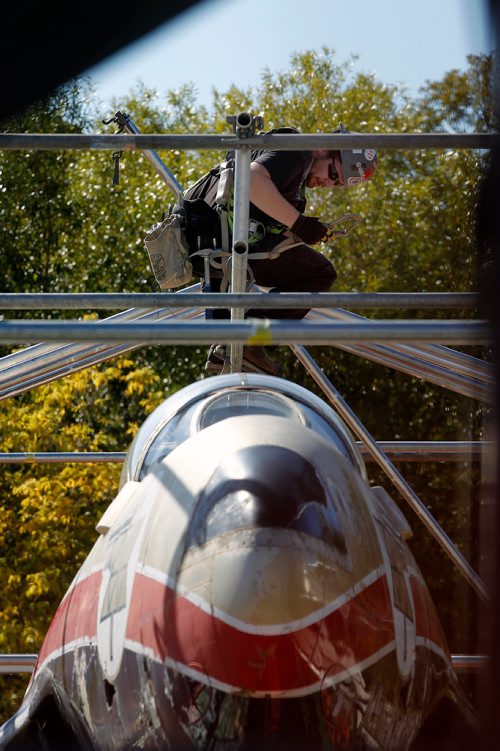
{"points": [[269, 558], [266, 487], [265, 552]]}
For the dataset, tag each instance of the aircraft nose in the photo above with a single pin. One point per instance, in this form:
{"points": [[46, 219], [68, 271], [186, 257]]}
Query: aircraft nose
{"points": [[267, 603], [266, 487]]}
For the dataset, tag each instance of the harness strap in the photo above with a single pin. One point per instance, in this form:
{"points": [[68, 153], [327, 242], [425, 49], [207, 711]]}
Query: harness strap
{"points": [[290, 241], [224, 229], [214, 253]]}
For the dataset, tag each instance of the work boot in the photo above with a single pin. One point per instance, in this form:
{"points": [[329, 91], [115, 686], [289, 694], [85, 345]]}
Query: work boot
{"points": [[215, 359], [256, 360]]}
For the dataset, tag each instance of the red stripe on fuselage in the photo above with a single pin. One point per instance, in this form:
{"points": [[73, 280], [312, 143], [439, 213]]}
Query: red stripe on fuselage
{"points": [[75, 618], [175, 628]]}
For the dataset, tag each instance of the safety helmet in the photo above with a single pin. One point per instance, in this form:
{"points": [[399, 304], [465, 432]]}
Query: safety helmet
{"points": [[358, 165]]}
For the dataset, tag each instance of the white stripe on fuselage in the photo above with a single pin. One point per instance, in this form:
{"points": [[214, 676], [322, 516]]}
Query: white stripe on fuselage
{"points": [[274, 629]]}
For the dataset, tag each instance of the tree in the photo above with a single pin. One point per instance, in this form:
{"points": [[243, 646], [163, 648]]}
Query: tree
{"points": [[35, 212]]}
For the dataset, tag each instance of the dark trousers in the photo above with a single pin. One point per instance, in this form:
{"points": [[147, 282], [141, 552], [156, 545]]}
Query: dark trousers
{"points": [[300, 269]]}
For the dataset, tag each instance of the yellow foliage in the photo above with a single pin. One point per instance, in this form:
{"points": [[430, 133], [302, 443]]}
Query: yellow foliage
{"points": [[48, 512], [37, 585]]}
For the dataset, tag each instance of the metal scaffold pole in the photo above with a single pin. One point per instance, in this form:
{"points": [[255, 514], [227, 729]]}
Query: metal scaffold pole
{"points": [[244, 127], [296, 142], [248, 330], [192, 297]]}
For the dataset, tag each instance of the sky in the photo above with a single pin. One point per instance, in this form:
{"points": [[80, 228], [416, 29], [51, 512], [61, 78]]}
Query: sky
{"points": [[221, 42]]}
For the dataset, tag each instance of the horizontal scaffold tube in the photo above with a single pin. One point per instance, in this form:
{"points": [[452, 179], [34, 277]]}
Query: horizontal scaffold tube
{"points": [[17, 663], [404, 451], [250, 332], [122, 300], [285, 142], [25, 663], [63, 457]]}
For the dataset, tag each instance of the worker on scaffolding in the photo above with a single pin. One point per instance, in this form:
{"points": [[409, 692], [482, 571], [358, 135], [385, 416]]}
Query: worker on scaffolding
{"points": [[280, 234]]}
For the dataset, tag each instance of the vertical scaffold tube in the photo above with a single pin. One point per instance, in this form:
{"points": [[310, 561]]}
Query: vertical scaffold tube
{"points": [[240, 239]]}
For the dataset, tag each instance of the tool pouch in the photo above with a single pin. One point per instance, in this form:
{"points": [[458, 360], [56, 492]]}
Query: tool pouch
{"points": [[225, 186], [168, 253]]}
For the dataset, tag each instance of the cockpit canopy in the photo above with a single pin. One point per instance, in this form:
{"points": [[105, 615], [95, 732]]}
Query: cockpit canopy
{"points": [[207, 402]]}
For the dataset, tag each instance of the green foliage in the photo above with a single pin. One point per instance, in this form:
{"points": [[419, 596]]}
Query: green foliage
{"points": [[37, 216], [66, 228]]}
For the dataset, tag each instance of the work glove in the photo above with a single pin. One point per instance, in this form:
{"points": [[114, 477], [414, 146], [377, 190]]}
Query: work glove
{"points": [[309, 229]]}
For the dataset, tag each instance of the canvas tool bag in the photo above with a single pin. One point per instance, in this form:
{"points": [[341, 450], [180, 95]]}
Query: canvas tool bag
{"points": [[168, 253]]}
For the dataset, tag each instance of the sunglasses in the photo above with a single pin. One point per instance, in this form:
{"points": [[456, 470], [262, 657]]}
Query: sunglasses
{"points": [[333, 175]]}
